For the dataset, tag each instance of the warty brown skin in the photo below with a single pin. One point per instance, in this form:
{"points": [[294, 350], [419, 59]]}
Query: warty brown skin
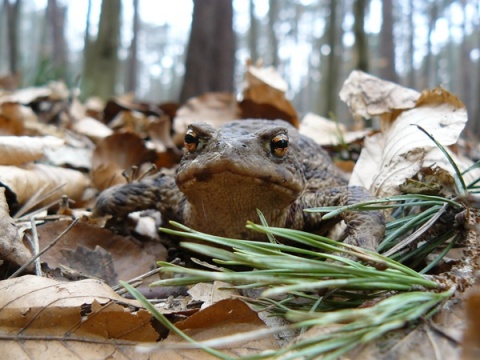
{"points": [[226, 174]]}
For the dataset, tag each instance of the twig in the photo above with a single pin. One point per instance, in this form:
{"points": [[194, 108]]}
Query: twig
{"points": [[36, 247], [118, 287], [49, 246]]}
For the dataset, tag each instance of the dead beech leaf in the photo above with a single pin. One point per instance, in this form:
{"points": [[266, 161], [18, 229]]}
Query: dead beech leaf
{"points": [[327, 132], [12, 249], [213, 108], [17, 150], [471, 336], [12, 118], [25, 181], [398, 153], [210, 293], [115, 154], [224, 318], [264, 95], [368, 96], [54, 320], [92, 128], [98, 252]]}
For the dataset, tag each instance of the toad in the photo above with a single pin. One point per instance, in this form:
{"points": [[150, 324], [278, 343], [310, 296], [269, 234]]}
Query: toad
{"points": [[226, 174]]}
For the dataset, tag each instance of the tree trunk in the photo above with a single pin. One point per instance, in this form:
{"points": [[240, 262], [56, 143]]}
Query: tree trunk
{"points": [[331, 75], [361, 41], [12, 9], [58, 50], [411, 45], [132, 52], [429, 66], [272, 36], [387, 43], [253, 33], [100, 57], [211, 49]]}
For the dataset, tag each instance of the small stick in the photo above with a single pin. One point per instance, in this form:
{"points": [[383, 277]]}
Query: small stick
{"points": [[49, 246], [36, 247]]}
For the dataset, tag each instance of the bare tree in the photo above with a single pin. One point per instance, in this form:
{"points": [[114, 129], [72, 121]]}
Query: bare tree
{"points": [[58, 45], [361, 40], [272, 35], [12, 9], [387, 43], [100, 56], [253, 32], [211, 49], [132, 51]]}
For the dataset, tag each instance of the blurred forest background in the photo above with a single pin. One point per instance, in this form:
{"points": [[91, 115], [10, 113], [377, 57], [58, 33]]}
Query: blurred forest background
{"points": [[163, 50]]}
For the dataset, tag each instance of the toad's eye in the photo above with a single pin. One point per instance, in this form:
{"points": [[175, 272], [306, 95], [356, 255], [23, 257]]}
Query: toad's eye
{"points": [[279, 145], [191, 140]]}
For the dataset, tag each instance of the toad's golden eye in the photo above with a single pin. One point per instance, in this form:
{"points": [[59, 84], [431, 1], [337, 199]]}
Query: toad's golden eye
{"points": [[279, 145], [191, 141]]}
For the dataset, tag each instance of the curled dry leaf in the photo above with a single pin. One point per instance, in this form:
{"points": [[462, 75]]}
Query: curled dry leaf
{"points": [[13, 117], [92, 128], [264, 96], [17, 150], [26, 181], [224, 318], [95, 252], [85, 319], [115, 154], [12, 249], [213, 108], [210, 293], [327, 132], [398, 153], [368, 96]]}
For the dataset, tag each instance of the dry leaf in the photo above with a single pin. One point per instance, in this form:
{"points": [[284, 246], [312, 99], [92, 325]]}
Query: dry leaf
{"points": [[388, 158], [115, 154], [264, 96], [17, 150], [210, 293], [25, 181], [44, 319], [224, 318], [98, 252], [471, 336], [327, 132], [13, 117], [92, 128], [213, 108], [12, 249], [368, 96]]}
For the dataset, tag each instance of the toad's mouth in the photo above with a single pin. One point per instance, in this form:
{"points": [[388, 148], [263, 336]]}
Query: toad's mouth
{"points": [[229, 179]]}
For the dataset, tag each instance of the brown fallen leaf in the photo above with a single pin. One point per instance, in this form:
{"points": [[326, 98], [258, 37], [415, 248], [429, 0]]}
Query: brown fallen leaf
{"points": [[264, 95], [211, 293], [44, 319], [401, 150], [471, 336], [12, 249], [12, 118], [17, 150], [98, 252], [213, 108], [27, 180], [92, 128], [224, 318], [115, 154]]}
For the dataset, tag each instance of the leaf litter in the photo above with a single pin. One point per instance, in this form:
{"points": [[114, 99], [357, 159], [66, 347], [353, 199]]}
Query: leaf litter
{"points": [[89, 314]]}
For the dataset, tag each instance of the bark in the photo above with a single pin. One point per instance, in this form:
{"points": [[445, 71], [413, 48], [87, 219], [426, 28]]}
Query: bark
{"points": [[387, 43], [132, 52], [429, 63], [334, 35], [58, 50], [12, 9], [100, 57], [253, 32], [361, 41], [272, 36], [211, 49], [411, 45]]}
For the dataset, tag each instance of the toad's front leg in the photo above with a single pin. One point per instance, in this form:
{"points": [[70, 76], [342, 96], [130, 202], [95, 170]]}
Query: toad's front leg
{"points": [[159, 192], [364, 228]]}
